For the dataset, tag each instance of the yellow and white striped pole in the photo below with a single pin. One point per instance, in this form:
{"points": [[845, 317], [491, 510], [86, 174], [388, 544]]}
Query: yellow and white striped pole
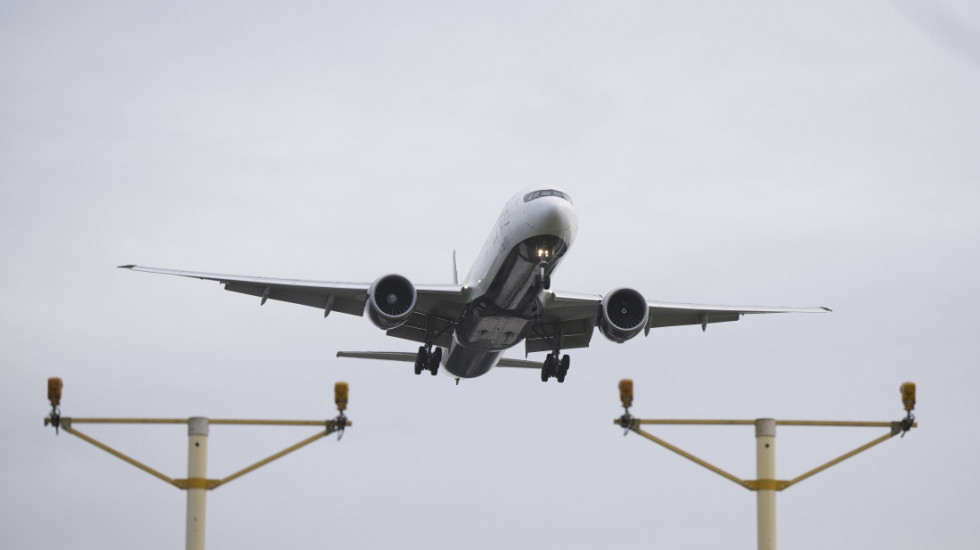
{"points": [[197, 473], [765, 471]]}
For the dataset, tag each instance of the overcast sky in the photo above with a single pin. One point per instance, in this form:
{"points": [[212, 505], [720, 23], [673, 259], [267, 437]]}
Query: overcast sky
{"points": [[760, 153]]}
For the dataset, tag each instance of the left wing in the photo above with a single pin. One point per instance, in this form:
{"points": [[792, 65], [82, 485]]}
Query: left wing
{"points": [[572, 318], [666, 314], [435, 303]]}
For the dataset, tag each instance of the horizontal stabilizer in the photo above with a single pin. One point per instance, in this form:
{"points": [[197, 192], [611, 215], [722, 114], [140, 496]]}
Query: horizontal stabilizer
{"points": [[519, 363], [404, 357], [409, 357]]}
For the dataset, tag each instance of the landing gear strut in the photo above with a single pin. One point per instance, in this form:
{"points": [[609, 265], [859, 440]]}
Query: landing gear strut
{"points": [[428, 359], [555, 366], [544, 280]]}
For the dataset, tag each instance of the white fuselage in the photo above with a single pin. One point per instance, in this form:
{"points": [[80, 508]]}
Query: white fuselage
{"points": [[530, 237]]}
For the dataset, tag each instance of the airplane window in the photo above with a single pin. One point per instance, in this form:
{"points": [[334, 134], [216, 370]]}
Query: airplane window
{"points": [[546, 193]]}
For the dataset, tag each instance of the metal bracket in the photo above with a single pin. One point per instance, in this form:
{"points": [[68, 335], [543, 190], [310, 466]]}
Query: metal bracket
{"points": [[766, 484], [903, 425]]}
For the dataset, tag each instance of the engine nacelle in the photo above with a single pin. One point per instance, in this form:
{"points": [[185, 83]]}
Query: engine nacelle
{"points": [[624, 314], [391, 301]]}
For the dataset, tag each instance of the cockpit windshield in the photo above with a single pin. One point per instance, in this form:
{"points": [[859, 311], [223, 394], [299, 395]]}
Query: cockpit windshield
{"points": [[546, 193]]}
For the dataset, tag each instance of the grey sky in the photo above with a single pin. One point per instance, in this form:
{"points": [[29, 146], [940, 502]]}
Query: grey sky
{"points": [[815, 153]]}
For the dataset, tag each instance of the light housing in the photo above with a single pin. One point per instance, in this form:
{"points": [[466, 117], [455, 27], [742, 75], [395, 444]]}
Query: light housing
{"points": [[340, 393], [54, 391], [908, 395], [626, 392]]}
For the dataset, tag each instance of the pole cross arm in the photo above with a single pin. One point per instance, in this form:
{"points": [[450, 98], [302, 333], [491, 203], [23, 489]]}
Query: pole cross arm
{"points": [[633, 425], [67, 424]]}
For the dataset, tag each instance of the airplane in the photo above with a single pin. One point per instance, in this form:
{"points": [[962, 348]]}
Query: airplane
{"points": [[505, 299]]}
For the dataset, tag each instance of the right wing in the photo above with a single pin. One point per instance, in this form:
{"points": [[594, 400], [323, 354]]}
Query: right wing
{"points": [[436, 305]]}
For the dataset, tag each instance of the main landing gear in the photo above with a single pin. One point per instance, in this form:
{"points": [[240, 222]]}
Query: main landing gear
{"points": [[555, 366], [428, 359]]}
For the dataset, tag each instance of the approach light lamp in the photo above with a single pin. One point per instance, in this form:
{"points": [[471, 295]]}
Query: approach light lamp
{"points": [[54, 391], [340, 392], [908, 395], [626, 392]]}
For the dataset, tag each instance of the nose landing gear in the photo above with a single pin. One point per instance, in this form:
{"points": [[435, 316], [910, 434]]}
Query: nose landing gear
{"points": [[544, 280]]}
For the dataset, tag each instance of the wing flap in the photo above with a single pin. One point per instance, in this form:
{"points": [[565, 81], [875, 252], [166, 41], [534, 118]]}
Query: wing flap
{"points": [[419, 323], [572, 316], [351, 303], [671, 318], [575, 333]]}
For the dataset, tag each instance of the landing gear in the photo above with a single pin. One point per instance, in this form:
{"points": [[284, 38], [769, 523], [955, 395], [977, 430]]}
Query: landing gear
{"points": [[435, 358], [555, 366], [544, 280], [428, 359]]}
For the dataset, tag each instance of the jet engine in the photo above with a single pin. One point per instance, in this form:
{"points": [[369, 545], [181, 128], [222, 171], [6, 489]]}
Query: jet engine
{"points": [[391, 300], [624, 314]]}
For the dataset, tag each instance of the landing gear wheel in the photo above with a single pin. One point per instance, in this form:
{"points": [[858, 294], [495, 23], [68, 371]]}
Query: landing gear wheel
{"points": [[435, 358], [563, 368], [548, 369], [420, 360]]}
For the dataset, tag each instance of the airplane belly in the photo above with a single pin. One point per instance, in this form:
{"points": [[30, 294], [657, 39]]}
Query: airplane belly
{"points": [[465, 362], [492, 333]]}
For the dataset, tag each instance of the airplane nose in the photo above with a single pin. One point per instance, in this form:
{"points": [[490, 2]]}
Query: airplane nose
{"points": [[556, 217]]}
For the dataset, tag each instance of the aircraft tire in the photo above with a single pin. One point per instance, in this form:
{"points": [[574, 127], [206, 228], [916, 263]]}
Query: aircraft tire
{"points": [[548, 370], [420, 360], [434, 360]]}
